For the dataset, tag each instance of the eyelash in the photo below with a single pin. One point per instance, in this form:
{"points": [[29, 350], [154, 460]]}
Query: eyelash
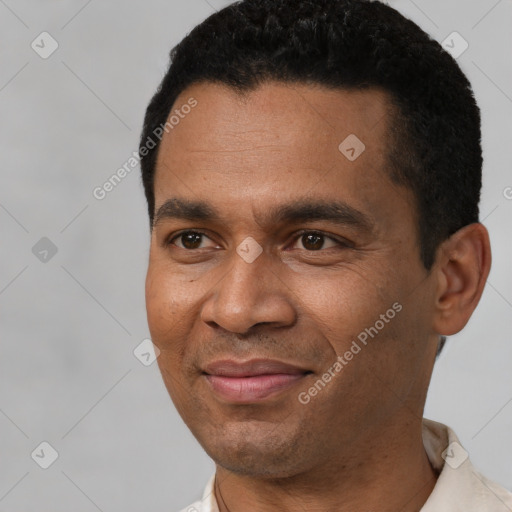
{"points": [[340, 242]]}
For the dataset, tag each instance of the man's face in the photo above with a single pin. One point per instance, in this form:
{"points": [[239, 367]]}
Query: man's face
{"points": [[266, 166]]}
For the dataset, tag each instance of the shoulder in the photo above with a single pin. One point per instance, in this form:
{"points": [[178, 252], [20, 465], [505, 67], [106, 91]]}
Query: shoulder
{"points": [[194, 507], [491, 494]]}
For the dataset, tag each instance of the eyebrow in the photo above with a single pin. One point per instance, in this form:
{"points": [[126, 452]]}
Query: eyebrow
{"points": [[300, 210]]}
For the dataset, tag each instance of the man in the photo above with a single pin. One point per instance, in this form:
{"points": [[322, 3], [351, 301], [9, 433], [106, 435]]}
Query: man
{"points": [[313, 170]]}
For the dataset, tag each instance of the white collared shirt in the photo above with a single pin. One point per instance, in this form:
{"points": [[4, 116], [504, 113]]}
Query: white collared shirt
{"points": [[459, 487]]}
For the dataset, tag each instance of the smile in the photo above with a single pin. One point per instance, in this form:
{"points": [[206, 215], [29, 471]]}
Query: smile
{"points": [[251, 381]]}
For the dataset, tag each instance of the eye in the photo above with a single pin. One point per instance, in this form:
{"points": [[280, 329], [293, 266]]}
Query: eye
{"points": [[189, 240], [316, 240]]}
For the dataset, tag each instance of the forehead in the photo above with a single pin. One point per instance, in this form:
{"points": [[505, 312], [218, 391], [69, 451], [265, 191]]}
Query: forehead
{"points": [[292, 114], [275, 142]]}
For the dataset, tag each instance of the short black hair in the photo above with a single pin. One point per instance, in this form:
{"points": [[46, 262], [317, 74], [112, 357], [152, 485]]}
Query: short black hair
{"points": [[435, 148]]}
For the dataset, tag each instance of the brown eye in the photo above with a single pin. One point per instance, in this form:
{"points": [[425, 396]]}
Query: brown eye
{"points": [[316, 241], [189, 240], [312, 241]]}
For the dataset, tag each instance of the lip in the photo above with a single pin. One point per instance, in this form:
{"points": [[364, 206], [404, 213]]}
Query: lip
{"points": [[253, 380]]}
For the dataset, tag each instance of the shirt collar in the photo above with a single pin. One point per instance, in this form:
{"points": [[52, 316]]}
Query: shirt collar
{"points": [[459, 486]]}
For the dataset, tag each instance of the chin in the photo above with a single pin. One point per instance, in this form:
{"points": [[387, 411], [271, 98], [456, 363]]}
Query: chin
{"points": [[256, 464], [256, 451]]}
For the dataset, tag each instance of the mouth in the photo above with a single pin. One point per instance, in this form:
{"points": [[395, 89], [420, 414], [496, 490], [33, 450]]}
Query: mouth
{"points": [[251, 381]]}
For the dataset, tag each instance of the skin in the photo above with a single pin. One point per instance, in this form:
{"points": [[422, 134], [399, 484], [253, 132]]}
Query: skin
{"points": [[357, 444]]}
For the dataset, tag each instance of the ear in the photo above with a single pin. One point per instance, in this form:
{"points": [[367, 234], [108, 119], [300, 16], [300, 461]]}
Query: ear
{"points": [[462, 265]]}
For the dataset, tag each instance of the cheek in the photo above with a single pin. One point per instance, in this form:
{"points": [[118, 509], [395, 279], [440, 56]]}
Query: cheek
{"points": [[159, 301], [167, 306], [345, 303], [168, 325]]}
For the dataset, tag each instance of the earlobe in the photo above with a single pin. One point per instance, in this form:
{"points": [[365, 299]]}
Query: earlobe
{"points": [[463, 263]]}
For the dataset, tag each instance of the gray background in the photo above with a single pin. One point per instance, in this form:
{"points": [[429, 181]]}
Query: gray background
{"points": [[69, 324]]}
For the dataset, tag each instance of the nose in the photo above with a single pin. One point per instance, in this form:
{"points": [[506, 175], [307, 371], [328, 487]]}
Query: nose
{"points": [[249, 294]]}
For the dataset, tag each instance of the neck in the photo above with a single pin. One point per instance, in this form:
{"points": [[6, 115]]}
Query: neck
{"points": [[386, 470]]}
